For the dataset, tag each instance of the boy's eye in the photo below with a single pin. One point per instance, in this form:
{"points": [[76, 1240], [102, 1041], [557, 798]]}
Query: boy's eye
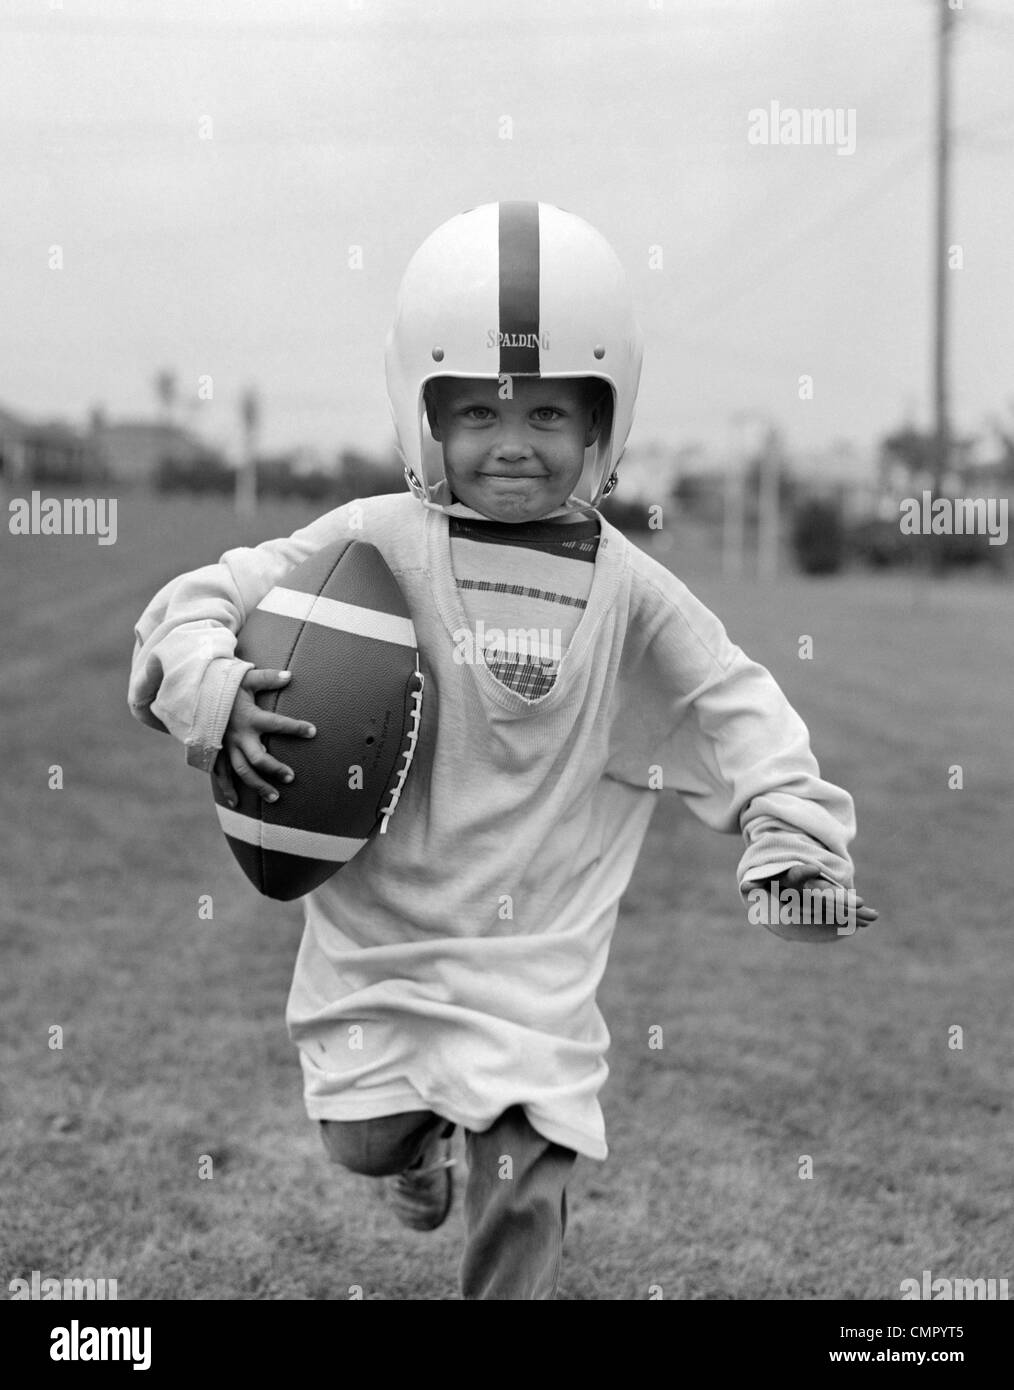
{"points": [[547, 413], [477, 412]]}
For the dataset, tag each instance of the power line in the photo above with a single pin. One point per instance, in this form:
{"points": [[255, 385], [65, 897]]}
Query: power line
{"points": [[773, 197], [970, 127], [980, 144], [989, 19], [813, 231]]}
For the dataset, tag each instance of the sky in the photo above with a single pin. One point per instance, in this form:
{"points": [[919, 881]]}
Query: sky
{"points": [[369, 122]]}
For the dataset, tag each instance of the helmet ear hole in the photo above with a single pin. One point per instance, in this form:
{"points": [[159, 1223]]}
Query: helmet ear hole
{"points": [[430, 410], [432, 453], [600, 415]]}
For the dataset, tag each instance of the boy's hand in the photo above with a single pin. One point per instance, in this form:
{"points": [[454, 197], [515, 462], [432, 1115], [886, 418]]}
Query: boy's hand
{"points": [[784, 919], [242, 751]]}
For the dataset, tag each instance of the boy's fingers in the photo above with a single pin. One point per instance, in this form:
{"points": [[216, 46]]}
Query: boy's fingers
{"points": [[262, 762], [864, 915], [248, 773], [282, 724], [856, 900], [221, 775], [823, 885], [264, 679]]}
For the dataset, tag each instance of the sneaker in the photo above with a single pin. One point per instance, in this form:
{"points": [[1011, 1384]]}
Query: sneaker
{"points": [[421, 1196]]}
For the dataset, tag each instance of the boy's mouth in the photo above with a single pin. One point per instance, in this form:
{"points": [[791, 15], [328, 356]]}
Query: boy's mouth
{"points": [[513, 477]]}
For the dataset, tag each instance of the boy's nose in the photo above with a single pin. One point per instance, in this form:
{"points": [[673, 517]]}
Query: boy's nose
{"points": [[512, 445]]}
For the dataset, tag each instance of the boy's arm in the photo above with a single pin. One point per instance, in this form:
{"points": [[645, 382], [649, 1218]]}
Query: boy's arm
{"points": [[721, 732], [184, 674]]}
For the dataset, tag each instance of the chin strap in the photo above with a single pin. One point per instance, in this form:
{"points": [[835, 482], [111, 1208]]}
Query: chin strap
{"points": [[415, 487]]}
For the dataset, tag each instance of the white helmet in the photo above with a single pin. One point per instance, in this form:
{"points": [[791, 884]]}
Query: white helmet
{"points": [[512, 289]]}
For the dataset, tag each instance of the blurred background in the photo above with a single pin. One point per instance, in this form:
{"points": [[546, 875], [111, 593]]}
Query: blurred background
{"points": [[208, 209], [206, 212]]}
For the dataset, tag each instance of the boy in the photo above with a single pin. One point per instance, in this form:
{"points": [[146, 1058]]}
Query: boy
{"points": [[465, 946]]}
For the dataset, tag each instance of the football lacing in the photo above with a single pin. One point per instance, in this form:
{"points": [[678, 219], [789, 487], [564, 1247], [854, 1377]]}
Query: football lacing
{"points": [[409, 752]]}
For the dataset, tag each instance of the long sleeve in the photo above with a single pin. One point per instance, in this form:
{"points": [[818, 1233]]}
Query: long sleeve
{"points": [[703, 719], [184, 673]]}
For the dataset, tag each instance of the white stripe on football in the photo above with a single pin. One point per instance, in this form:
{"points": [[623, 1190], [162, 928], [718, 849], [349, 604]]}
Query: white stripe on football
{"points": [[286, 839], [343, 617]]}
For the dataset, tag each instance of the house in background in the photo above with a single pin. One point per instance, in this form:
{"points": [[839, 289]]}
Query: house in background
{"points": [[47, 452], [133, 451], [55, 452], [13, 430], [123, 453]]}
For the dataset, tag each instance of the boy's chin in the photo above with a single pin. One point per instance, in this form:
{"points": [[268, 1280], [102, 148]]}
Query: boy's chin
{"points": [[508, 505], [509, 514]]}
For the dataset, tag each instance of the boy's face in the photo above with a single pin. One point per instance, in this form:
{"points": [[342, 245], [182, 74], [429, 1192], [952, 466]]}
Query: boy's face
{"points": [[518, 459]]}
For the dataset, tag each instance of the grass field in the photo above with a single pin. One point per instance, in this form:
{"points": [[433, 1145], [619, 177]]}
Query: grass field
{"points": [[173, 1037]]}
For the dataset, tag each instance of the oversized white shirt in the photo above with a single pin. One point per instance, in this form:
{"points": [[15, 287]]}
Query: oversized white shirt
{"points": [[453, 964]]}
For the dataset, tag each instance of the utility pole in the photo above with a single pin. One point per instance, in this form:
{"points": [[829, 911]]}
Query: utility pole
{"points": [[941, 394], [768, 519], [733, 506], [246, 474]]}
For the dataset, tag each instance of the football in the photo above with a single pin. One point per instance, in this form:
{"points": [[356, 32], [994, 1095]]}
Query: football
{"points": [[339, 623]]}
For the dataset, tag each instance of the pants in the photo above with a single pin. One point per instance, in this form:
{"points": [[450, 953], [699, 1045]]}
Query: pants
{"points": [[515, 1198]]}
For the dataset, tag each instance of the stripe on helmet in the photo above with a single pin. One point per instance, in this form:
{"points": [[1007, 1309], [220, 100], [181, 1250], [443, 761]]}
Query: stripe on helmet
{"points": [[519, 287]]}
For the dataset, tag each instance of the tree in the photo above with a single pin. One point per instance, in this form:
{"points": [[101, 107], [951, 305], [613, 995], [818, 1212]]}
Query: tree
{"points": [[165, 391], [246, 474]]}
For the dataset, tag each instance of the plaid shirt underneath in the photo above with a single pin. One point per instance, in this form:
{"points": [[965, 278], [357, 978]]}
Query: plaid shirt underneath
{"points": [[528, 676]]}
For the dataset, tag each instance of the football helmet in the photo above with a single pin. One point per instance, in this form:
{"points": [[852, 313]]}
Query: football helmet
{"points": [[512, 289]]}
